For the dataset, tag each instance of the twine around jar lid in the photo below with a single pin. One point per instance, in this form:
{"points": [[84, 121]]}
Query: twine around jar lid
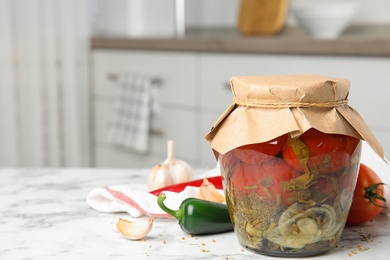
{"points": [[281, 104]]}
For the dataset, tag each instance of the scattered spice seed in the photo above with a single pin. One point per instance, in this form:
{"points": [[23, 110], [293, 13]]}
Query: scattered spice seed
{"points": [[213, 240], [203, 244], [164, 241], [182, 238]]}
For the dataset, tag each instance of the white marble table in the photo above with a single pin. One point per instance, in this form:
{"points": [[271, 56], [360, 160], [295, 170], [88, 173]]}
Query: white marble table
{"points": [[44, 215]]}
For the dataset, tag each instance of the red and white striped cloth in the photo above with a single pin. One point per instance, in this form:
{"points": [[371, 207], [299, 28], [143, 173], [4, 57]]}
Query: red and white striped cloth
{"points": [[137, 201]]}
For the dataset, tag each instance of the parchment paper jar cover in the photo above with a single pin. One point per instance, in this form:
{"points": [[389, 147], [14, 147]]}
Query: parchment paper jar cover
{"points": [[265, 107]]}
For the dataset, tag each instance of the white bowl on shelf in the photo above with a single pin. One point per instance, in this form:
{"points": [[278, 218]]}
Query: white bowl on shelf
{"points": [[325, 19]]}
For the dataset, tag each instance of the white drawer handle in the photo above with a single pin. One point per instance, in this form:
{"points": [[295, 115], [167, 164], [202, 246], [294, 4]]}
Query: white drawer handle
{"points": [[154, 80], [156, 132]]}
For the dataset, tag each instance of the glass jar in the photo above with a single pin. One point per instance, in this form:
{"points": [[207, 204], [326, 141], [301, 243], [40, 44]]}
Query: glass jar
{"points": [[291, 196], [289, 151]]}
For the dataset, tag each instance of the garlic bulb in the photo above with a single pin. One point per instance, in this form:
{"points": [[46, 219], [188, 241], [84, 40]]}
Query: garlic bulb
{"points": [[160, 176], [169, 172], [134, 230]]}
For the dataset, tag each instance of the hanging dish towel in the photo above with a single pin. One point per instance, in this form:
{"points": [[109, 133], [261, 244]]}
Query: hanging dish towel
{"points": [[129, 126]]}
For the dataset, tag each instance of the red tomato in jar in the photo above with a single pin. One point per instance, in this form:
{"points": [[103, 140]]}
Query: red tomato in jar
{"points": [[266, 179], [227, 161], [244, 178], [323, 188], [368, 199], [327, 153], [260, 152], [349, 177]]}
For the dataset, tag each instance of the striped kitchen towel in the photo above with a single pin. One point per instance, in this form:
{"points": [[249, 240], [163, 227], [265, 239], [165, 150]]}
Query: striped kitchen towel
{"points": [[130, 122]]}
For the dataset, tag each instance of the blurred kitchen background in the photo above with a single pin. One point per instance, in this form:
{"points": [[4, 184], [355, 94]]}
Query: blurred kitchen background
{"points": [[64, 65]]}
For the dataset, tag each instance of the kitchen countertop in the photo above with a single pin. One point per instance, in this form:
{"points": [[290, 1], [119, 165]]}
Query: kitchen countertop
{"points": [[44, 215], [369, 40]]}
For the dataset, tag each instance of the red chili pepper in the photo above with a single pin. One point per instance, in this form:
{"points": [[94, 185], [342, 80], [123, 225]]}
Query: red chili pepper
{"points": [[217, 181]]}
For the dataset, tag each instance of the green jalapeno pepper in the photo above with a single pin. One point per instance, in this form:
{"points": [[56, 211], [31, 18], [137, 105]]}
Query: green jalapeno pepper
{"points": [[199, 217]]}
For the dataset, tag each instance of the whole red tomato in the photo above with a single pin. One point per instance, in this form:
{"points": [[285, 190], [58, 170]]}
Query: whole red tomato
{"points": [[266, 179], [260, 152], [327, 153], [368, 199]]}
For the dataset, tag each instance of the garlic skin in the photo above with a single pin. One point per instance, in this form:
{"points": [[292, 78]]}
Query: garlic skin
{"points": [[207, 191], [169, 172], [181, 171], [160, 176], [134, 230]]}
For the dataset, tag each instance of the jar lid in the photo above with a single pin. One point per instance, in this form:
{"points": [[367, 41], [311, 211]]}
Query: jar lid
{"points": [[265, 107]]}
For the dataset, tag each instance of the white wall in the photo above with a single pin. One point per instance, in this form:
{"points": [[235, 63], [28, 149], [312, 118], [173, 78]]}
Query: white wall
{"points": [[112, 17], [133, 17], [374, 12], [203, 12]]}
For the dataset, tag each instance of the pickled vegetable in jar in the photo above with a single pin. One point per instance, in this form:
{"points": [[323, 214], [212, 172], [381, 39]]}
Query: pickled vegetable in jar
{"points": [[289, 151], [291, 196]]}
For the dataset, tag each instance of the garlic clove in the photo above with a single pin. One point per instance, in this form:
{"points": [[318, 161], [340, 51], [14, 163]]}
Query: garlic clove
{"points": [[207, 191], [159, 177], [135, 230]]}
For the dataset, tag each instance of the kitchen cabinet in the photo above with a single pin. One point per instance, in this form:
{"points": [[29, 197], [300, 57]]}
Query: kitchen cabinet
{"points": [[194, 91], [176, 114]]}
